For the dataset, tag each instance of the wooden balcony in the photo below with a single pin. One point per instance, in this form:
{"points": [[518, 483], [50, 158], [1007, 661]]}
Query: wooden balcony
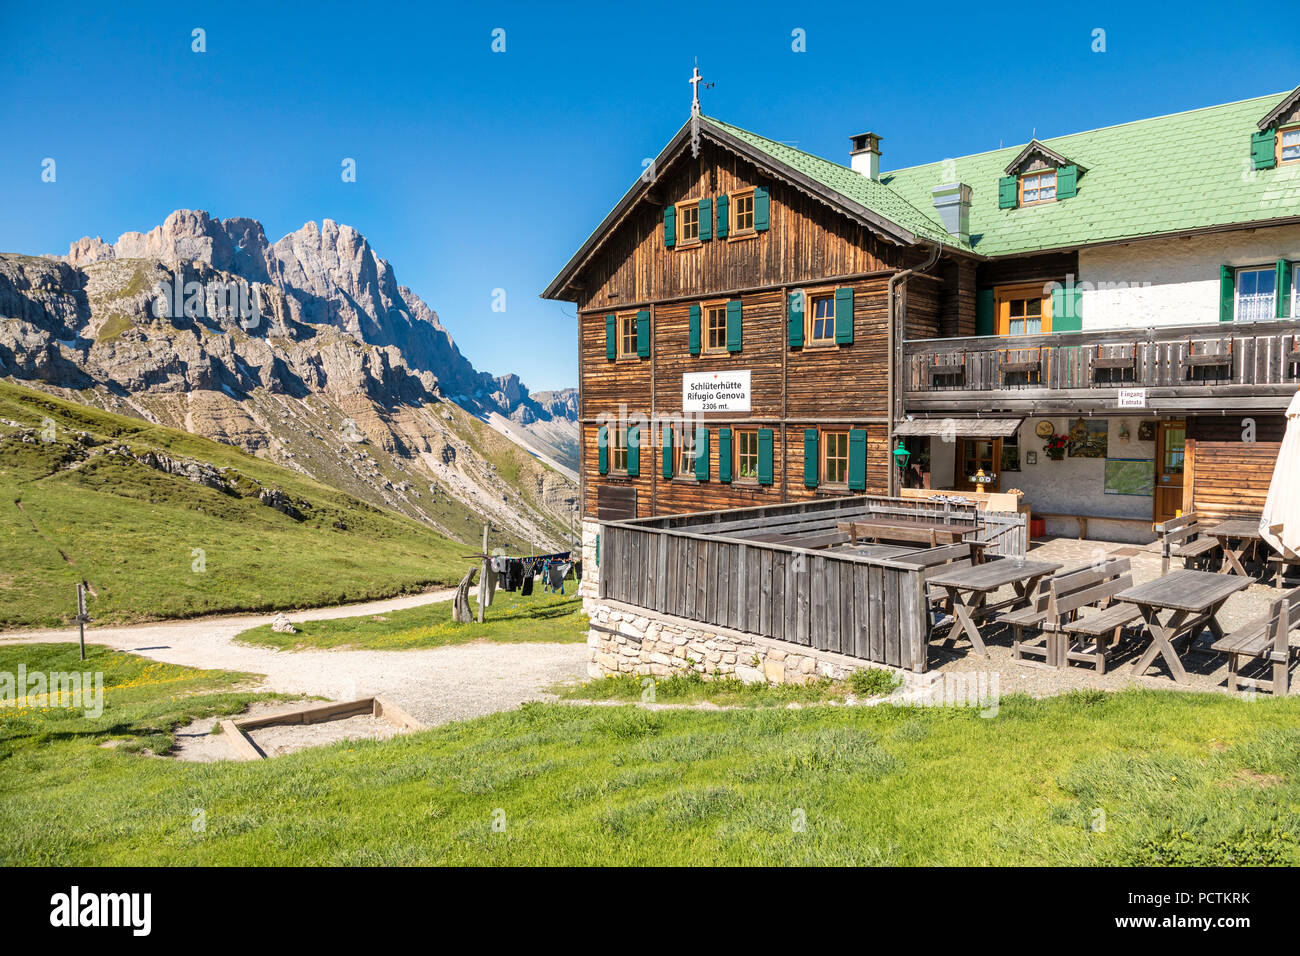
{"points": [[1247, 367]]}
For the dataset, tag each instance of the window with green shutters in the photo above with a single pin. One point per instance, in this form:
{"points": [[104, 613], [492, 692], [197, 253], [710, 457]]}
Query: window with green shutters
{"points": [[811, 458], [1008, 192], [765, 444], [1285, 273], [985, 312], [633, 451], [670, 226], [857, 460], [761, 210], [747, 454], [693, 333], [844, 316], [1067, 308], [701, 453], [1067, 179], [602, 449], [724, 455], [1263, 149], [734, 336], [643, 333], [794, 317], [1227, 293], [611, 337], [706, 220]]}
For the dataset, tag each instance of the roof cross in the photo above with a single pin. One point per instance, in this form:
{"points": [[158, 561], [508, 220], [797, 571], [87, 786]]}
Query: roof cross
{"points": [[695, 81]]}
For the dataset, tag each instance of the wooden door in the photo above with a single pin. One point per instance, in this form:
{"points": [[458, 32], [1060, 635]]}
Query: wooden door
{"points": [[974, 454], [1171, 438]]}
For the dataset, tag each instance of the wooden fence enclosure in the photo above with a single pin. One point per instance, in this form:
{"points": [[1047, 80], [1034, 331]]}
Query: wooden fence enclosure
{"points": [[1225, 478], [699, 567]]}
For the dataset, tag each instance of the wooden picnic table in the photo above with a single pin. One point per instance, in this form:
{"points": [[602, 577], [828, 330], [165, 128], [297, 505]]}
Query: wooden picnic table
{"points": [[969, 589], [1246, 532], [1194, 597], [930, 533]]}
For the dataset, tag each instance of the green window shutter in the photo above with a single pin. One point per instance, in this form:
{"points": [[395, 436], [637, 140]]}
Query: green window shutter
{"points": [[733, 326], [1008, 192], [1263, 149], [643, 333], [597, 551], [695, 330], [706, 220], [760, 210], [634, 451], [844, 316], [765, 456], [984, 307], [1283, 287], [1067, 179], [702, 453], [721, 204], [668, 452], [670, 226], [794, 309], [857, 460], [724, 455], [611, 338], [1227, 292], [602, 450], [810, 457], [1065, 309]]}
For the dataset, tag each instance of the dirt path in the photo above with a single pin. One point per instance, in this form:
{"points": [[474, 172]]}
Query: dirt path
{"points": [[435, 685]]}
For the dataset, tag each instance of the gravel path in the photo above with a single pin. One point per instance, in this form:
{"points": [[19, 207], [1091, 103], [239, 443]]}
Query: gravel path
{"points": [[434, 686]]}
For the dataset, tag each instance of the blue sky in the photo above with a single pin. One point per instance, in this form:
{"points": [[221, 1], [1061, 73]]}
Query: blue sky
{"points": [[479, 171]]}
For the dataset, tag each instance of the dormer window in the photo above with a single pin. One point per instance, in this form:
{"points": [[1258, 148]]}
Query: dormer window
{"points": [[1039, 174], [1038, 187]]}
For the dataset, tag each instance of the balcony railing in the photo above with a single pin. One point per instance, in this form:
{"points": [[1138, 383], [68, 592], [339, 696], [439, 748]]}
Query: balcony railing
{"points": [[1254, 365]]}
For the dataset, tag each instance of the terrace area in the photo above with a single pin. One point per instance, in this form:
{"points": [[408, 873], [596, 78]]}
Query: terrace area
{"points": [[926, 586], [1248, 366]]}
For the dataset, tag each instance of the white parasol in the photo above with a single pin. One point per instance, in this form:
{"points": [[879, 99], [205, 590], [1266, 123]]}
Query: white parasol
{"points": [[1279, 525]]}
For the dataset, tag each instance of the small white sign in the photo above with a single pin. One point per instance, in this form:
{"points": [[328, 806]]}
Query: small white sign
{"points": [[715, 392], [1132, 398]]}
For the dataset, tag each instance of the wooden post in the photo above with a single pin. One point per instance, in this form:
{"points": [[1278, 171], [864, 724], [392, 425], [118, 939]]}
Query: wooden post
{"points": [[483, 575], [81, 617]]}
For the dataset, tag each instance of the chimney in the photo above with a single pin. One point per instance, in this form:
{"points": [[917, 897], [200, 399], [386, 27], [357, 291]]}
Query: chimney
{"points": [[864, 158], [953, 203]]}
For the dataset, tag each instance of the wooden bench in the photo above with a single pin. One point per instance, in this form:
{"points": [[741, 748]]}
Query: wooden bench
{"points": [[1265, 637], [960, 555], [1057, 612], [1184, 537], [1083, 519], [929, 533]]}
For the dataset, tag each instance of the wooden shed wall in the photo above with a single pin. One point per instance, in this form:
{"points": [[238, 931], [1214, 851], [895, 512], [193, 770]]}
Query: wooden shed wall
{"points": [[1227, 478]]}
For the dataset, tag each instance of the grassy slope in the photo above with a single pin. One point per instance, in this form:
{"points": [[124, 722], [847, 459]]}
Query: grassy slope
{"points": [[1182, 778], [130, 530], [510, 619]]}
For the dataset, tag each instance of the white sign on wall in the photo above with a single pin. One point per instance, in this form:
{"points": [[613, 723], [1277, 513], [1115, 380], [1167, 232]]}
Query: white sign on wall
{"points": [[1132, 398], [715, 392]]}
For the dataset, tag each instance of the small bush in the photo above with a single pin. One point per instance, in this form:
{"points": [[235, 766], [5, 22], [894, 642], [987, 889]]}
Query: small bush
{"points": [[874, 682]]}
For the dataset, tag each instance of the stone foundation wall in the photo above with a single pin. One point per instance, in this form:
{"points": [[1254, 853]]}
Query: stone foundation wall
{"points": [[623, 639], [590, 570]]}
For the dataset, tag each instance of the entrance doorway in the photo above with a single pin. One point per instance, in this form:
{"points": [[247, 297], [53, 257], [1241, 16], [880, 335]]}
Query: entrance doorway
{"points": [[1171, 439], [974, 454]]}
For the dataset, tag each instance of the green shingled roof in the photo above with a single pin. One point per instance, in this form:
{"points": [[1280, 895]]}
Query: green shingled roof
{"points": [[1172, 173], [875, 196]]}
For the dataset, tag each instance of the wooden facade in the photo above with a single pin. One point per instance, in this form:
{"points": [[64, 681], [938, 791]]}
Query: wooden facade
{"points": [[807, 246]]}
